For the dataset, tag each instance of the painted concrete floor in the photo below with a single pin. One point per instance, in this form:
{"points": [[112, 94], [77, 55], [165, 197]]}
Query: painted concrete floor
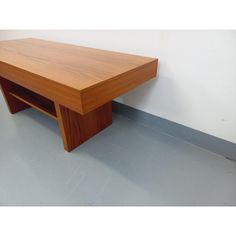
{"points": [[126, 164]]}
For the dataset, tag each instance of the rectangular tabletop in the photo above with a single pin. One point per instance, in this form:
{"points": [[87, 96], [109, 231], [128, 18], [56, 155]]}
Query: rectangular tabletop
{"points": [[79, 78]]}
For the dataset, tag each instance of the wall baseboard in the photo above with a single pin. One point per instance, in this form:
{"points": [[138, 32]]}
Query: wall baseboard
{"points": [[201, 139]]}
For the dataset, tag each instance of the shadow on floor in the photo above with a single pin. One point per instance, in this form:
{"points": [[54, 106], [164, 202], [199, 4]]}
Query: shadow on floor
{"points": [[126, 164]]}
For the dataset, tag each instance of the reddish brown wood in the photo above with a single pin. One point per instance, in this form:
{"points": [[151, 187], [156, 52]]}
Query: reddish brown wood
{"points": [[79, 78], [77, 128], [14, 105], [18, 97], [69, 83], [34, 100]]}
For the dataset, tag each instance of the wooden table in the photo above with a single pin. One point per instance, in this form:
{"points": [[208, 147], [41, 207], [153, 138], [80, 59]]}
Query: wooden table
{"points": [[73, 85]]}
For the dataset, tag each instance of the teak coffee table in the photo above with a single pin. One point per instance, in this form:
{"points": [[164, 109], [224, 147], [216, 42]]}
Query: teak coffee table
{"points": [[73, 85]]}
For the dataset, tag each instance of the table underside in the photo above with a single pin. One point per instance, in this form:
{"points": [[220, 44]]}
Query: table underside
{"points": [[75, 128]]}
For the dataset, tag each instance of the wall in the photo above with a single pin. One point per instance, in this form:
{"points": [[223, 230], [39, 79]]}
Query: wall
{"points": [[196, 85]]}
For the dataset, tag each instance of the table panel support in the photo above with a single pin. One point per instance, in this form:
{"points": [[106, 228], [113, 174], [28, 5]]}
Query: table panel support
{"points": [[14, 105], [76, 128]]}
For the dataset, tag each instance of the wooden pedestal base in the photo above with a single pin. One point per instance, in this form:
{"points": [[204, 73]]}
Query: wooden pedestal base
{"points": [[75, 128]]}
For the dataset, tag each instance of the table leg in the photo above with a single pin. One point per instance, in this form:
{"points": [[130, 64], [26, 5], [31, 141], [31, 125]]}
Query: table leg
{"points": [[14, 105], [76, 128]]}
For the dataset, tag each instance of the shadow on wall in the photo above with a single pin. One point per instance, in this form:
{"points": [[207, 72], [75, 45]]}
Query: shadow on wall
{"points": [[151, 96], [141, 95]]}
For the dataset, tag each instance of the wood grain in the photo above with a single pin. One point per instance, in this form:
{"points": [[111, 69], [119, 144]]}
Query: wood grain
{"points": [[70, 75], [76, 128], [98, 94], [72, 84]]}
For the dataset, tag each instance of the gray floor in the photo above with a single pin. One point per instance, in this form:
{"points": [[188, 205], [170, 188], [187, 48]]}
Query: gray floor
{"points": [[126, 164]]}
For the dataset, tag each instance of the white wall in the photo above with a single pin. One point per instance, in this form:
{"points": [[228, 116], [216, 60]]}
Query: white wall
{"points": [[196, 85]]}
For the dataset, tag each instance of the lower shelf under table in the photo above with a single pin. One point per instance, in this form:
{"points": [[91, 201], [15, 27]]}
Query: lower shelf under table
{"points": [[75, 128]]}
